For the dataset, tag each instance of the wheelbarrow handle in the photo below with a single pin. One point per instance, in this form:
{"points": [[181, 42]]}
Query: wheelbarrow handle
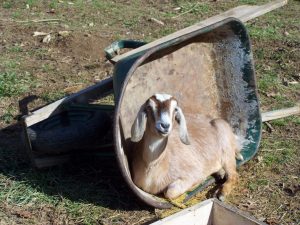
{"points": [[113, 49]]}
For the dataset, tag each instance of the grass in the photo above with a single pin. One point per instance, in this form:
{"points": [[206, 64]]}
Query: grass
{"points": [[7, 4], [284, 121], [52, 96], [15, 49], [273, 89], [13, 84], [266, 33], [8, 115], [278, 153]]}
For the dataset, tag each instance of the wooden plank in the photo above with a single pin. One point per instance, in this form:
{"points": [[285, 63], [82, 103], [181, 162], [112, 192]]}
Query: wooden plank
{"points": [[198, 214], [244, 13], [281, 113], [208, 212], [100, 89]]}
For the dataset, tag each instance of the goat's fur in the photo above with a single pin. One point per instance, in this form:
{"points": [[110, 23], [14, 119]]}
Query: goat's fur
{"points": [[175, 161]]}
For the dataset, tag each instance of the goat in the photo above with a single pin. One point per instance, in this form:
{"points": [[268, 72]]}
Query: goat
{"points": [[162, 162]]}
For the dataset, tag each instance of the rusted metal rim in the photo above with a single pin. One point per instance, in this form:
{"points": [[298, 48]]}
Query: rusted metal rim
{"points": [[121, 157]]}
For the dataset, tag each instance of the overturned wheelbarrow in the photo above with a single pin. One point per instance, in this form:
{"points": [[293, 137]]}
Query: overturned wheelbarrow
{"points": [[209, 70]]}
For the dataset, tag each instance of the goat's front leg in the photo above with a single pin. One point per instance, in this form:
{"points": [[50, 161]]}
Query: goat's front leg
{"points": [[177, 188]]}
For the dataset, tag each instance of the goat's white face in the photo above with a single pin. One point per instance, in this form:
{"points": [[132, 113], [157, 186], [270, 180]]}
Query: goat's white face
{"points": [[161, 112]]}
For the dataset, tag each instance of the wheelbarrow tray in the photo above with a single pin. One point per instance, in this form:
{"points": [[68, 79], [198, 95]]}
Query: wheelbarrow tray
{"points": [[209, 71]]}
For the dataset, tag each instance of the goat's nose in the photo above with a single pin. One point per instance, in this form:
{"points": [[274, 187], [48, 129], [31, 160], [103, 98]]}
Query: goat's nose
{"points": [[165, 125]]}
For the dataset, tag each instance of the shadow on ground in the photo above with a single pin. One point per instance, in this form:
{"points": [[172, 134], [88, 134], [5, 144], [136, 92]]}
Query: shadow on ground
{"points": [[88, 179]]}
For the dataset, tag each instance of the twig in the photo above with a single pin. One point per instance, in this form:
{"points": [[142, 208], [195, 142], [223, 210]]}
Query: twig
{"points": [[271, 129], [272, 150], [157, 21], [38, 21], [185, 11]]}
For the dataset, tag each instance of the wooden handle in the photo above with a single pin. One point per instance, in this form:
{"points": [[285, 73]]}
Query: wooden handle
{"points": [[281, 113]]}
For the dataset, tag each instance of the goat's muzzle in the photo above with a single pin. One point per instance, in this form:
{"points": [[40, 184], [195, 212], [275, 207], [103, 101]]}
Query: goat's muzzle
{"points": [[163, 128]]}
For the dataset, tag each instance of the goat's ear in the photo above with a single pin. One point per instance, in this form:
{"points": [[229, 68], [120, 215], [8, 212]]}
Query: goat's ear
{"points": [[139, 125], [183, 133]]}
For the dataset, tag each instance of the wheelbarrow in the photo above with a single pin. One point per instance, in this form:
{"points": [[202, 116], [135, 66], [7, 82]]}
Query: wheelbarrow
{"points": [[208, 67]]}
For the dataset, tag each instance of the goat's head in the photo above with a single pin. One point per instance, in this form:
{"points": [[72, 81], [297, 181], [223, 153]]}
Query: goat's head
{"points": [[158, 114]]}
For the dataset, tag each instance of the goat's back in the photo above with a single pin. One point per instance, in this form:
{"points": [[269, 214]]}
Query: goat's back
{"points": [[212, 142]]}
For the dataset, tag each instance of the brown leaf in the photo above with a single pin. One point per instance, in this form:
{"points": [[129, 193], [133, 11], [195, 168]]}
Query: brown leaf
{"points": [[292, 190], [73, 89], [272, 94], [271, 221], [22, 213]]}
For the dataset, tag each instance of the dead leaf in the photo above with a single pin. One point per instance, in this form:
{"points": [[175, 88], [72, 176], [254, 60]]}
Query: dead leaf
{"points": [[271, 221], [52, 11], [292, 190], [22, 213], [272, 94], [47, 39], [73, 89], [259, 158], [245, 190], [64, 33], [92, 66], [37, 34]]}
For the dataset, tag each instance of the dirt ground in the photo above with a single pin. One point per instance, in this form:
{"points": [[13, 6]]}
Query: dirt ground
{"points": [[35, 72]]}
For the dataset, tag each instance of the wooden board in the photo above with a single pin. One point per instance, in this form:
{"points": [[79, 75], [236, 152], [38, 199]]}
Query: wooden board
{"points": [[209, 212], [281, 113]]}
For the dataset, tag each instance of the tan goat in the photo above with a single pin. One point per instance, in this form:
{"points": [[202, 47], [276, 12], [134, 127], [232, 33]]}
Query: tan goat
{"points": [[173, 161]]}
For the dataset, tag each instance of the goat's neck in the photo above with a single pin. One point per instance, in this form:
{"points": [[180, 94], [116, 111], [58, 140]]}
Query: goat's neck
{"points": [[154, 147]]}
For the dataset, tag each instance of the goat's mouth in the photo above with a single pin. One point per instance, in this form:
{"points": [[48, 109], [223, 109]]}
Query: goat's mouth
{"points": [[163, 132]]}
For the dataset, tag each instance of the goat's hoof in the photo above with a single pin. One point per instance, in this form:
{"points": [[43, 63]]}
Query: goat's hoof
{"points": [[221, 197]]}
